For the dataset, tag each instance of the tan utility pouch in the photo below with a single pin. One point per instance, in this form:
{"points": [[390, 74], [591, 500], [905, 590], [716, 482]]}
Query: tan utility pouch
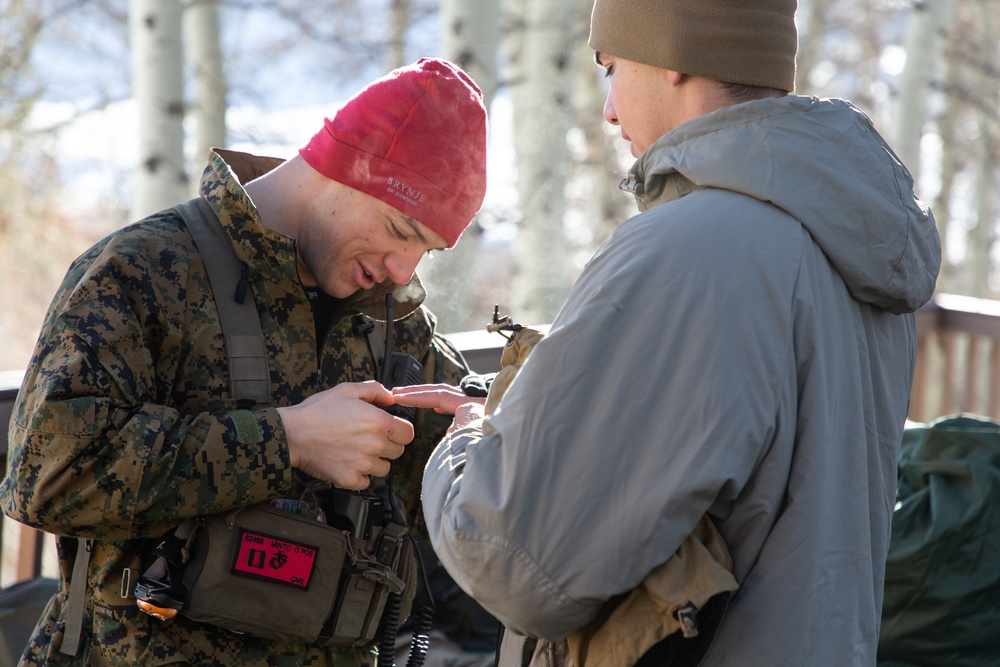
{"points": [[279, 575]]}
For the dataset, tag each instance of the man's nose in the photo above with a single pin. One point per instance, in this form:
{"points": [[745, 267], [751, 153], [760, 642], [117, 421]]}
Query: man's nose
{"points": [[402, 265], [610, 114]]}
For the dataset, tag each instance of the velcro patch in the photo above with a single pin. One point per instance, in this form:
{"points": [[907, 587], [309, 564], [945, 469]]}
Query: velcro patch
{"points": [[275, 559], [247, 428]]}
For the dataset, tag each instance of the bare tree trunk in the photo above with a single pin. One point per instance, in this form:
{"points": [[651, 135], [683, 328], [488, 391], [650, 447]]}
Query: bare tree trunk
{"points": [[37, 240], [158, 88], [542, 96], [866, 67], [982, 236], [603, 165], [470, 38], [950, 157], [17, 41], [204, 57], [925, 38], [809, 43], [399, 22]]}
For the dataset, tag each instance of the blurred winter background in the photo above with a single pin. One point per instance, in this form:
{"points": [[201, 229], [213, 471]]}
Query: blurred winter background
{"points": [[76, 161]]}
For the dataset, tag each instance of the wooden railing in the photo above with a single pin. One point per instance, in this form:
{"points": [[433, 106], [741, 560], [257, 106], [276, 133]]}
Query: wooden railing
{"points": [[958, 358], [958, 370]]}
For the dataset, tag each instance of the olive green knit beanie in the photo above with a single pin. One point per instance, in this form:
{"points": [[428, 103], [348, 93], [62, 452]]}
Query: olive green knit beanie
{"points": [[750, 42]]}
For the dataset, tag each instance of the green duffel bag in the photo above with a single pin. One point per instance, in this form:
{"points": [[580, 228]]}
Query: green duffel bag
{"points": [[942, 582]]}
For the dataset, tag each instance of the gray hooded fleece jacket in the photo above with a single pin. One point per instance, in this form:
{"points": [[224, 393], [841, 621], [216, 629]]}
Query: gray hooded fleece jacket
{"points": [[743, 347]]}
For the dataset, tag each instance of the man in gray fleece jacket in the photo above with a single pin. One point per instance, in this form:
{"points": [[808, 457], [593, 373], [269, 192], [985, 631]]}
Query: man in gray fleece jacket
{"points": [[742, 348]]}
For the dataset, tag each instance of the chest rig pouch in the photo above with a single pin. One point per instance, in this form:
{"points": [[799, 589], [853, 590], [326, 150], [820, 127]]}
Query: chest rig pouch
{"points": [[282, 575], [328, 566]]}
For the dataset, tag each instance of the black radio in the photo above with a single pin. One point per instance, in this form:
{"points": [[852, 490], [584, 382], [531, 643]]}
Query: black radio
{"points": [[398, 368], [356, 512], [402, 371]]}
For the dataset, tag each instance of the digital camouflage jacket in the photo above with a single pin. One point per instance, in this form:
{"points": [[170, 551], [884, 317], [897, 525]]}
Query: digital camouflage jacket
{"points": [[124, 426]]}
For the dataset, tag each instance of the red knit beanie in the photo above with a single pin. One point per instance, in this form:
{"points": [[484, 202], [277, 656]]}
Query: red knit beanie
{"points": [[416, 139]]}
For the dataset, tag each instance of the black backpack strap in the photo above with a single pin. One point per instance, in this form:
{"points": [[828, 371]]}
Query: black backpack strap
{"points": [[248, 373]]}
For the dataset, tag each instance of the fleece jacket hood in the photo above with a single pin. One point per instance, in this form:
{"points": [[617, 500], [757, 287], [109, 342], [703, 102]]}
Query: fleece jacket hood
{"points": [[856, 201]]}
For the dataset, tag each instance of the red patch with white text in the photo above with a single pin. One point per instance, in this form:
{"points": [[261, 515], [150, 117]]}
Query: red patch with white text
{"points": [[274, 559]]}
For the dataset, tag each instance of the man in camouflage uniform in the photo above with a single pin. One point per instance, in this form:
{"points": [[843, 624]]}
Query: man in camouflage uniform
{"points": [[125, 425]]}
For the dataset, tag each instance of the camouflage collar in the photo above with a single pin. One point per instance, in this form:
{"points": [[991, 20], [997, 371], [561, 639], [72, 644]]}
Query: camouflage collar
{"points": [[272, 253]]}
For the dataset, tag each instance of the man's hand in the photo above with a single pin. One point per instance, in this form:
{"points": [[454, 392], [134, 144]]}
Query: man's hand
{"points": [[444, 399], [341, 436]]}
